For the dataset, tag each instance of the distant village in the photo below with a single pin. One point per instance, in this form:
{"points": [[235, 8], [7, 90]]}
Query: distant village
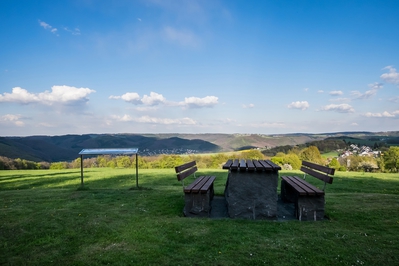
{"points": [[360, 151]]}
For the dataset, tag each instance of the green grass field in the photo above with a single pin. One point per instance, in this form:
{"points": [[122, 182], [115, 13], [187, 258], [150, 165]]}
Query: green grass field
{"points": [[45, 219]]}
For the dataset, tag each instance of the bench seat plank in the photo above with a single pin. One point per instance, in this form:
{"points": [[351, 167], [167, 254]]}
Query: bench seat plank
{"points": [[293, 184], [314, 189], [190, 187], [208, 184]]}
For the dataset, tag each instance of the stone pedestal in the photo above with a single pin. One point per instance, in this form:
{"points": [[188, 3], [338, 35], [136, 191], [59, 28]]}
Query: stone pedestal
{"points": [[252, 194]]}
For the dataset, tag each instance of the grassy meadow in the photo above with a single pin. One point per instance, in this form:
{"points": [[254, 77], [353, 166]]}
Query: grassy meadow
{"points": [[46, 219]]}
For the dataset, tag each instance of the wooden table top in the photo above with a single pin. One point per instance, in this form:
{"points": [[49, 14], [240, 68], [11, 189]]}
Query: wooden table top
{"points": [[251, 165]]}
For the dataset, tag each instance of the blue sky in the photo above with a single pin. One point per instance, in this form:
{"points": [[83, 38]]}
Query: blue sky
{"points": [[177, 66]]}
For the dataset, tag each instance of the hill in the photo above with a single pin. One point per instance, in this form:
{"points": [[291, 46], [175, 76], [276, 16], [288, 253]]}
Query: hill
{"points": [[67, 147]]}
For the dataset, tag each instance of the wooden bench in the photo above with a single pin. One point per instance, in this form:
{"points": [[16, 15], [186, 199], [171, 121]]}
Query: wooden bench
{"points": [[197, 195], [309, 200]]}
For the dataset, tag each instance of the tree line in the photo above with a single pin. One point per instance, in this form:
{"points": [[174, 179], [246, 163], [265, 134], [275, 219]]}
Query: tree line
{"points": [[289, 160]]}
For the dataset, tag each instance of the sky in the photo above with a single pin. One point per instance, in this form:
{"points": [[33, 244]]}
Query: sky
{"points": [[198, 66]]}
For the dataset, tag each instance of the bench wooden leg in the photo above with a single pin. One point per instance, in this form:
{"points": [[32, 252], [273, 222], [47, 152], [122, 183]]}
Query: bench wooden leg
{"points": [[309, 208], [198, 204]]}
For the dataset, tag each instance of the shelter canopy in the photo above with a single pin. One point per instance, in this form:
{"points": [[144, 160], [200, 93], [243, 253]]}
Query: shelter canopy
{"points": [[109, 151]]}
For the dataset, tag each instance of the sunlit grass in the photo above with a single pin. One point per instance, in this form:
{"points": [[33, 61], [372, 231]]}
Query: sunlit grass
{"points": [[45, 219]]}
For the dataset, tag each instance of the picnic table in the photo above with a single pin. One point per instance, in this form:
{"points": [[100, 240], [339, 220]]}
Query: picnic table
{"points": [[251, 189]]}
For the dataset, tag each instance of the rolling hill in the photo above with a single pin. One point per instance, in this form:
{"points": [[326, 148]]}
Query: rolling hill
{"points": [[67, 147]]}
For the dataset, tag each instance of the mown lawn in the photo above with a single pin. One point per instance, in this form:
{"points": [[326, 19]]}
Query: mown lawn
{"points": [[45, 219]]}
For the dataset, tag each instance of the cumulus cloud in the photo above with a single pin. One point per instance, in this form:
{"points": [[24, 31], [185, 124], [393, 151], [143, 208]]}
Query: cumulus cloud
{"points": [[48, 27], [134, 98], [195, 102], [155, 99], [155, 120], [383, 114], [130, 97], [299, 105], [392, 76], [374, 87], [14, 119], [336, 93], [340, 108], [58, 94]]}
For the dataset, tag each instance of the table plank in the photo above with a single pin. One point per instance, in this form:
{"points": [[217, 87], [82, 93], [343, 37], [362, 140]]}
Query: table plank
{"points": [[235, 165], [228, 164], [258, 165], [243, 165], [251, 166]]}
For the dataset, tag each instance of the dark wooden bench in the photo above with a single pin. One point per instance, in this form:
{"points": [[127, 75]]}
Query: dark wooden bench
{"points": [[309, 200], [198, 194]]}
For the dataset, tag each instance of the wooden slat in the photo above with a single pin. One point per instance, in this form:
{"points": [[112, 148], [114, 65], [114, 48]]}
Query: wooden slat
{"points": [[243, 165], [258, 165], [324, 169], [299, 189], [321, 176], [185, 166], [228, 164], [208, 184], [275, 166], [182, 175], [199, 185], [235, 165], [266, 166], [190, 187], [305, 184], [251, 166]]}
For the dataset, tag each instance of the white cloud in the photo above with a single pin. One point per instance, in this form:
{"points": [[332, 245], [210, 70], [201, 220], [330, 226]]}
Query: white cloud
{"points": [[59, 94], [320, 91], [299, 105], [195, 102], [368, 94], [157, 99], [130, 97], [153, 99], [155, 120], [336, 93], [181, 37], [383, 114], [134, 98], [392, 76], [340, 108], [48, 27], [15, 119]]}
